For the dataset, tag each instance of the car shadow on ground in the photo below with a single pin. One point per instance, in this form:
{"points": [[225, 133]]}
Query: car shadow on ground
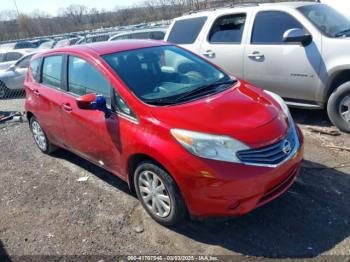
{"points": [[4, 257], [94, 169], [311, 218], [311, 117]]}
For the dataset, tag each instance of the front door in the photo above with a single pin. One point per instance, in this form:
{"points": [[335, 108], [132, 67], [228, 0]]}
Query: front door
{"points": [[88, 132], [288, 69]]}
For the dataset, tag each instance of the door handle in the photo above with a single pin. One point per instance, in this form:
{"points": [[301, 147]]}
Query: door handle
{"points": [[256, 55], [209, 54], [36, 92], [67, 107]]}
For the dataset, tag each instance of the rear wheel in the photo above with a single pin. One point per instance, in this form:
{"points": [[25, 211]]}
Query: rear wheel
{"points": [[159, 194], [40, 137], [339, 107]]}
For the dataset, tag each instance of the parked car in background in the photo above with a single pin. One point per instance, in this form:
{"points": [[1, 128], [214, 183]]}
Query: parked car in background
{"points": [[299, 50], [186, 136], [156, 34], [12, 79], [93, 39], [24, 45], [67, 42], [8, 57]]}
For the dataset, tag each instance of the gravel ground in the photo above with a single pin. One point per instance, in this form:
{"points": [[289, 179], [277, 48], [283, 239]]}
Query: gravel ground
{"points": [[44, 210]]}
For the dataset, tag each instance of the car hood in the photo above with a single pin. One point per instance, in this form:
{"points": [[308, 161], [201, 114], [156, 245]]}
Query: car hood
{"points": [[242, 112]]}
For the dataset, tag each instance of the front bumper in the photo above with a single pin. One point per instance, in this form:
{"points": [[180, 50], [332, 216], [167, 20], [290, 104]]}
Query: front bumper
{"points": [[227, 189]]}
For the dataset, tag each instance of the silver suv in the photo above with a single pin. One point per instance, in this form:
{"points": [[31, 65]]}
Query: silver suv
{"points": [[299, 50]]}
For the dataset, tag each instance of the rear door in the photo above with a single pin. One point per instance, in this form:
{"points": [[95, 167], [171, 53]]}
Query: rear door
{"points": [[88, 132], [222, 44], [45, 95]]}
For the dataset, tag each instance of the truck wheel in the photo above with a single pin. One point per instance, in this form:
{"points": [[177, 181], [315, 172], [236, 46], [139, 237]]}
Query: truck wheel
{"points": [[159, 194], [339, 107]]}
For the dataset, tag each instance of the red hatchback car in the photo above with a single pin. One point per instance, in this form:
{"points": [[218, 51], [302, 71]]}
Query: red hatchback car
{"points": [[187, 137]]}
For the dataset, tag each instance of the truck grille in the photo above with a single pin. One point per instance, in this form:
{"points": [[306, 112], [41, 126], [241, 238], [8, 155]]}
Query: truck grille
{"points": [[273, 154]]}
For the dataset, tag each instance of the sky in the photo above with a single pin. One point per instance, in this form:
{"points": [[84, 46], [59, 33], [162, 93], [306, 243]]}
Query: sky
{"points": [[52, 6]]}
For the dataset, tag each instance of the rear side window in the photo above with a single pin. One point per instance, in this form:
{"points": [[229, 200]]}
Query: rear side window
{"points": [[52, 68], [186, 31], [228, 29], [13, 56], [35, 69], [84, 78], [269, 27]]}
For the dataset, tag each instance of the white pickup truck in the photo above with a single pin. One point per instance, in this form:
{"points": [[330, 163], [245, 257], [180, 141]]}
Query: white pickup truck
{"points": [[299, 50]]}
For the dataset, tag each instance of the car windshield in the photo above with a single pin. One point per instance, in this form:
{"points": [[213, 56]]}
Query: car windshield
{"points": [[167, 74], [329, 21]]}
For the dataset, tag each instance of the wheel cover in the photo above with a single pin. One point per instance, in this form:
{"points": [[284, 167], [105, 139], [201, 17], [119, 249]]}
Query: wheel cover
{"points": [[39, 135], [344, 108], [154, 194]]}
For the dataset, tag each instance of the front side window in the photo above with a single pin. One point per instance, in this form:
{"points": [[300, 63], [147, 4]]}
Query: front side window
{"points": [[167, 74], [270, 26], [142, 35], [329, 21], [228, 29], [52, 68], [84, 78], [186, 31]]}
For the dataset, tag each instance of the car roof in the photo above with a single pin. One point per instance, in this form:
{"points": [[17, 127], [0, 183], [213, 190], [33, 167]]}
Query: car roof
{"points": [[103, 48], [22, 51], [244, 7]]}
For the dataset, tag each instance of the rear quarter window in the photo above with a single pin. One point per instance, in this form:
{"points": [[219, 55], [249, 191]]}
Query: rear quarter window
{"points": [[35, 69], [186, 31]]}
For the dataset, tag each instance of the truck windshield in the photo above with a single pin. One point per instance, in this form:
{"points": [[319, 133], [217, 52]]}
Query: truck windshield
{"points": [[167, 75], [329, 21]]}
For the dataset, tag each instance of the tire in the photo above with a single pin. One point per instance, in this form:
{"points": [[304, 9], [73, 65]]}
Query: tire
{"points": [[338, 107], [177, 211], [4, 91], [40, 137]]}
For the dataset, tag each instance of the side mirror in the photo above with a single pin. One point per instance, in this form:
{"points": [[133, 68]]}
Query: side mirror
{"points": [[93, 102], [85, 101], [297, 35]]}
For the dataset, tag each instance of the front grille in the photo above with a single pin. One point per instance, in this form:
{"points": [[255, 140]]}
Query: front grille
{"points": [[272, 154]]}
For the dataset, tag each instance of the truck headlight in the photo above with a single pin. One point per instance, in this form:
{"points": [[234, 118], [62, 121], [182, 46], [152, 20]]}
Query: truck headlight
{"points": [[216, 147]]}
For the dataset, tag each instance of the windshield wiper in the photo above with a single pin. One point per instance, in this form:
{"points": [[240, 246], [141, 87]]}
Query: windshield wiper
{"points": [[204, 88], [343, 33]]}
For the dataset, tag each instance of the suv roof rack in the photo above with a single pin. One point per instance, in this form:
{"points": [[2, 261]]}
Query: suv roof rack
{"points": [[246, 4]]}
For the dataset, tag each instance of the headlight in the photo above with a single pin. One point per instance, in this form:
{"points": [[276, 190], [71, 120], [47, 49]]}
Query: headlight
{"points": [[215, 147], [281, 103]]}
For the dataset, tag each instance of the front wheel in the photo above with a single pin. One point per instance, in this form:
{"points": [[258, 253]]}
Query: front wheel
{"points": [[339, 107], [159, 194]]}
